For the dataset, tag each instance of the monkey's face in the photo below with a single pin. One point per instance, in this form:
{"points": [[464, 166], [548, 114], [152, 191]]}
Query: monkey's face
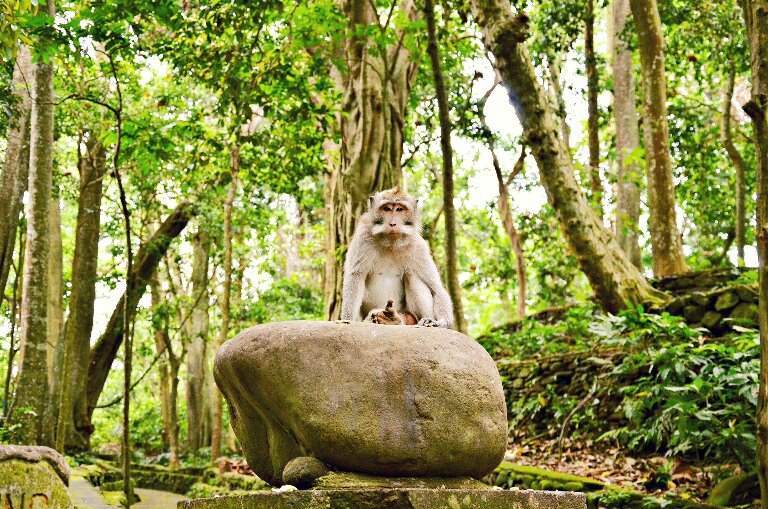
{"points": [[393, 220]]}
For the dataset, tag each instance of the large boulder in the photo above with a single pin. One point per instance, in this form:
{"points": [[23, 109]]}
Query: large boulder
{"points": [[382, 400], [33, 477]]}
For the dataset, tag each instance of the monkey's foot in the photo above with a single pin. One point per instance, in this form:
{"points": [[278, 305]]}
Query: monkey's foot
{"points": [[343, 322], [384, 317], [428, 322]]}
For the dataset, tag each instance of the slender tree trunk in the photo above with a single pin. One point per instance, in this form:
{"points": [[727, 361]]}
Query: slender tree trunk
{"points": [[627, 138], [452, 274], [593, 87], [15, 305], [668, 258], [197, 359], [32, 386], [736, 159], [376, 84], [105, 350], [505, 211], [14, 179], [79, 326], [55, 315], [218, 411], [756, 18], [168, 370], [614, 279]]}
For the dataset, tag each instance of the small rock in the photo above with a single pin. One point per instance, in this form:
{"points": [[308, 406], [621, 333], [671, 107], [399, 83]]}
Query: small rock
{"points": [[726, 300], [745, 311], [747, 294], [711, 319], [304, 471], [693, 313], [701, 299]]}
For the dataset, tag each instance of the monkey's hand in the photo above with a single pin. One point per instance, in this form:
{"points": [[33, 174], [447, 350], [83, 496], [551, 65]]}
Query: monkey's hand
{"points": [[428, 322], [386, 316]]}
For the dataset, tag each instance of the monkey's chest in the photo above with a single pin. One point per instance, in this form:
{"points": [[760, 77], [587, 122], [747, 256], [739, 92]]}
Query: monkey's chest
{"points": [[383, 284]]}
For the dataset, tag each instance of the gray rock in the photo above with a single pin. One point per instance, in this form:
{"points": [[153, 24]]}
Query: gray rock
{"points": [[408, 498], [382, 400]]}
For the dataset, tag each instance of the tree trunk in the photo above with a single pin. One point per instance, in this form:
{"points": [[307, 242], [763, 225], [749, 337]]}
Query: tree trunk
{"points": [[736, 159], [614, 279], [104, 351], [168, 369], [218, 410], [627, 138], [14, 179], [756, 18], [197, 358], [14, 318], [79, 326], [667, 246], [556, 95], [376, 84], [593, 86], [55, 315], [32, 385], [452, 275], [505, 211]]}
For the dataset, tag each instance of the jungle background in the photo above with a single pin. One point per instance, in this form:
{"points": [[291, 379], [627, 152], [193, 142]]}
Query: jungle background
{"points": [[591, 176]]}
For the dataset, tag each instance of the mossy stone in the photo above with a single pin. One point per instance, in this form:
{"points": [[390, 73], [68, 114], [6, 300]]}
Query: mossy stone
{"points": [[726, 300], [352, 480], [304, 471], [32, 477], [711, 319], [737, 490], [693, 313], [745, 311]]}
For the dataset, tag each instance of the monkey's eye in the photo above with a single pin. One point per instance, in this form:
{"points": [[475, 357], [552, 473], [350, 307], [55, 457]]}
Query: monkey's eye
{"points": [[399, 209], [386, 208]]}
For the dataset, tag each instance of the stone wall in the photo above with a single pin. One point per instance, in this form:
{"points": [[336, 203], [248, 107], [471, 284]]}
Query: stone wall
{"points": [[718, 310], [540, 391]]}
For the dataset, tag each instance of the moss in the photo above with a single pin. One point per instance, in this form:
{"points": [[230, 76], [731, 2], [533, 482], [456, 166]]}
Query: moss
{"points": [[509, 475], [349, 480]]}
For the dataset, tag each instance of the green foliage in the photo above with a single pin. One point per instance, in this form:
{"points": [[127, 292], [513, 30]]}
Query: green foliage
{"points": [[691, 398], [286, 299]]}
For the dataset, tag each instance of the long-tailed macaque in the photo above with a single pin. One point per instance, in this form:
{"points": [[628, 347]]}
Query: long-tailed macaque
{"points": [[388, 260]]}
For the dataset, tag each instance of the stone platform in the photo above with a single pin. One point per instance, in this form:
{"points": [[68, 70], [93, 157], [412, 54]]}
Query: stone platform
{"points": [[405, 498]]}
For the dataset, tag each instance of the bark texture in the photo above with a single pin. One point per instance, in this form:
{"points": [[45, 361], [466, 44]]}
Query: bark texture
{"points": [[79, 326], [627, 138], [168, 368], [452, 274], [756, 18], [614, 279], [198, 403], [14, 179], [738, 161], [376, 84], [32, 385], [104, 351], [55, 314], [667, 246], [218, 411], [593, 87]]}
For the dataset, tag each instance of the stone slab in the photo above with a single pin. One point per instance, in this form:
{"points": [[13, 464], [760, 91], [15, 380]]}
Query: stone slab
{"points": [[413, 498], [33, 478]]}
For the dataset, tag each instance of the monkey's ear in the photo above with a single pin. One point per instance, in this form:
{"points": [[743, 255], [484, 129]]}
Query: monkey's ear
{"points": [[416, 202], [370, 201]]}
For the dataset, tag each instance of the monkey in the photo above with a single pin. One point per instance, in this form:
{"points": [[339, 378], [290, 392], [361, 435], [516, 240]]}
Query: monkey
{"points": [[388, 260], [390, 316]]}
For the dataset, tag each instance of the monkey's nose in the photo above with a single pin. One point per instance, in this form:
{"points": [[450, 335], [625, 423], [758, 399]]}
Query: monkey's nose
{"points": [[392, 224]]}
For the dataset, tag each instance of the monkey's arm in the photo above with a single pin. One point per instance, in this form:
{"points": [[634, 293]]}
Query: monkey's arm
{"points": [[426, 270], [353, 286]]}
